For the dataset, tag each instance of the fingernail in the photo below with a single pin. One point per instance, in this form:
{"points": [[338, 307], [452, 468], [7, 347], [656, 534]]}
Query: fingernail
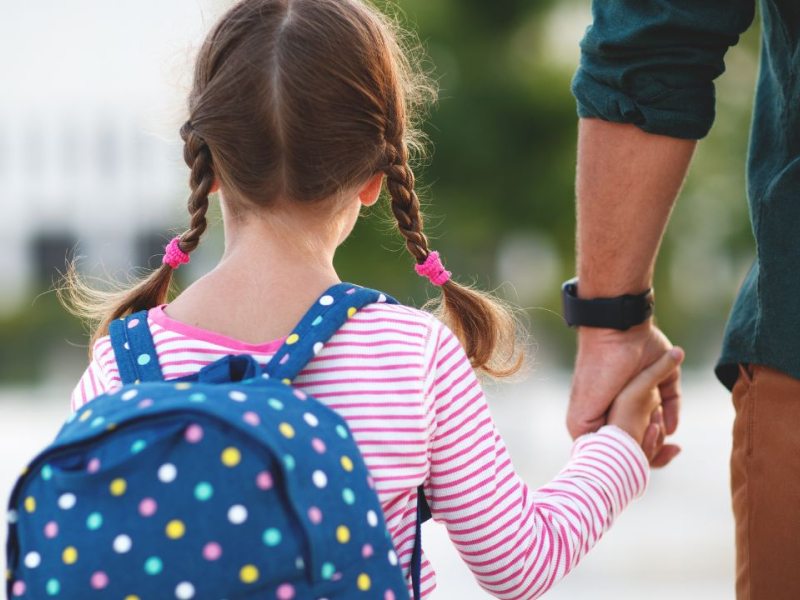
{"points": [[676, 353]]}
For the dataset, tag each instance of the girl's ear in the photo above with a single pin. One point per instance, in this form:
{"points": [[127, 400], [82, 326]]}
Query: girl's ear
{"points": [[370, 192]]}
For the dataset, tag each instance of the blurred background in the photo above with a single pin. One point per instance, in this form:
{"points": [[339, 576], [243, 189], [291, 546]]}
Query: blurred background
{"points": [[91, 165]]}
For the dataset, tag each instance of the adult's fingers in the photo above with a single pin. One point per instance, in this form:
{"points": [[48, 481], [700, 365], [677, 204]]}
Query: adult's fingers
{"points": [[665, 456], [671, 400]]}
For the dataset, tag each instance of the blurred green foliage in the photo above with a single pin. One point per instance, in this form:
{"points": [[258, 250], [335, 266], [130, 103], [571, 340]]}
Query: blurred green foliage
{"points": [[502, 164]]}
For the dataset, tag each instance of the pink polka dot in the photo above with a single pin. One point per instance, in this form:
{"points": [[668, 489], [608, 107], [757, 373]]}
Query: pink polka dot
{"points": [[318, 445], [212, 551], [93, 466], [367, 551], [99, 580], [370, 482], [389, 595], [285, 591], [19, 588], [300, 394], [251, 418], [194, 433], [336, 576], [264, 480], [148, 507], [133, 323], [146, 403], [284, 360], [351, 291], [315, 515], [51, 530]]}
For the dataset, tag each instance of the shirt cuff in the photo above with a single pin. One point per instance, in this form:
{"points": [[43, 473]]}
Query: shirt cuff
{"points": [[621, 460]]}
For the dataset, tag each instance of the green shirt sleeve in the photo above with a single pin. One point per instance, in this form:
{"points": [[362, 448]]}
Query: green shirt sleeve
{"points": [[653, 62]]}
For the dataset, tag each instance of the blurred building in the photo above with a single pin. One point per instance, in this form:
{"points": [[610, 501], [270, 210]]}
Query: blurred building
{"points": [[83, 179]]}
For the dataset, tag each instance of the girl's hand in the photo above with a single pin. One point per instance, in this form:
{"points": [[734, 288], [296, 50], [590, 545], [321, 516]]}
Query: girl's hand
{"points": [[637, 408]]}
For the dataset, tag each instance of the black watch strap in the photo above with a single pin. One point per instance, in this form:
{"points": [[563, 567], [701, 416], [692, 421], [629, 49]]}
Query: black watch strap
{"points": [[622, 312]]}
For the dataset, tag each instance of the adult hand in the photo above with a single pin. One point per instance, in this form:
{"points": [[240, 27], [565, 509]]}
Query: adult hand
{"points": [[607, 360]]}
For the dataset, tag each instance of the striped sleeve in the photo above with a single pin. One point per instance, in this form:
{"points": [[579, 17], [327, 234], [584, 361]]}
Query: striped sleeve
{"points": [[517, 542], [100, 376]]}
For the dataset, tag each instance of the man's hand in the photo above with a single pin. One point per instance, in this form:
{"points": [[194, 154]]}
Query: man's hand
{"points": [[607, 361]]}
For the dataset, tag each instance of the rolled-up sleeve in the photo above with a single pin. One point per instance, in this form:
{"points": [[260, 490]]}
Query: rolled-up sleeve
{"points": [[652, 63]]}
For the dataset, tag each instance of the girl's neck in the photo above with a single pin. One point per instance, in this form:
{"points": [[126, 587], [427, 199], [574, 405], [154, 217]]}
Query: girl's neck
{"points": [[272, 270]]}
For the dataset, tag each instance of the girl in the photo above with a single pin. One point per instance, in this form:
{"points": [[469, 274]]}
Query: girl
{"points": [[299, 111]]}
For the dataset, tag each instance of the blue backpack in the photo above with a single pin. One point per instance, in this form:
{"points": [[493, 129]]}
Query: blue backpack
{"points": [[229, 484]]}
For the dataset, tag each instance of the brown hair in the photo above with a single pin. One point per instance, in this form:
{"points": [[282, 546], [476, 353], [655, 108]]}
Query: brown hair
{"points": [[301, 100]]}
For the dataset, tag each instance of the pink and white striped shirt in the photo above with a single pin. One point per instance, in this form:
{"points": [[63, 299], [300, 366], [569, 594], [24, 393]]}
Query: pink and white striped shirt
{"points": [[416, 409]]}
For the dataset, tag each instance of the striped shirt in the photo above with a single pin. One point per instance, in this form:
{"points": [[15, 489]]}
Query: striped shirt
{"points": [[416, 409]]}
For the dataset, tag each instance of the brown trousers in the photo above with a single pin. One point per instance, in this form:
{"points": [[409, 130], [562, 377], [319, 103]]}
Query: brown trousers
{"points": [[765, 484]]}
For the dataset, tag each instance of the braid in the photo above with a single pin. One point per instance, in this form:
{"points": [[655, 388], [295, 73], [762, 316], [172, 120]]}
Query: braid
{"points": [[197, 155], [405, 203], [486, 327]]}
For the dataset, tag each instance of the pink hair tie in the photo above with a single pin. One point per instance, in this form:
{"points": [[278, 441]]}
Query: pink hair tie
{"points": [[433, 269], [174, 256]]}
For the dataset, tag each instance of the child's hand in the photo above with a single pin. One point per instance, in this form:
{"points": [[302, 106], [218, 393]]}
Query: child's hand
{"points": [[636, 410]]}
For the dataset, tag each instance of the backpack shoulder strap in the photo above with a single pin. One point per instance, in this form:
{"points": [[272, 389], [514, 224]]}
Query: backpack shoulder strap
{"points": [[134, 349], [322, 320]]}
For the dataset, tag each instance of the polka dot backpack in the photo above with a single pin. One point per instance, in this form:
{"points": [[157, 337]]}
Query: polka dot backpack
{"points": [[230, 484]]}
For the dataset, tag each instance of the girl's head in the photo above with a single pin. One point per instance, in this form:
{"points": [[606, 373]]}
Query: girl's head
{"points": [[302, 103]]}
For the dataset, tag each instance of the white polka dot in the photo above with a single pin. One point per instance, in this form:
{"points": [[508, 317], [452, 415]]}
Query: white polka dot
{"points": [[126, 345], [129, 395], [32, 560], [237, 396], [122, 544], [299, 563], [392, 557], [184, 591], [320, 479], [326, 300], [13, 516], [167, 473], [237, 514], [311, 419], [318, 348], [381, 298], [372, 518], [66, 501]]}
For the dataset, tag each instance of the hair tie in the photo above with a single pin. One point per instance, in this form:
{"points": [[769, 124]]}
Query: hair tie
{"points": [[433, 269], [174, 256]]}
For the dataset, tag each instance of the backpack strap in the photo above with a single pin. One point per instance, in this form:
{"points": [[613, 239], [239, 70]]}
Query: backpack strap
{"points": [[323, 319], [134, 349], [423, 514]]}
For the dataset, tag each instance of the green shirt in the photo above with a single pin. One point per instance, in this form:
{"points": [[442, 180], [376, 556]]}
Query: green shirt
{"points": [[653, 63]]}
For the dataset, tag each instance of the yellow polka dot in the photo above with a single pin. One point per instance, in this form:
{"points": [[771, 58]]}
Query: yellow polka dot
{"points": [[8, 574], [287, 381], [342, 534], [347, 464], [363, 582], [351, 311], [248, 574], [85, 415], [175, 529], [25, 471], [30, 504], [286, 430], [231, 457], [118, 487], [132, 598], [111, 427], [292, 339], [183, 386], [137, 382], [70, 555]]}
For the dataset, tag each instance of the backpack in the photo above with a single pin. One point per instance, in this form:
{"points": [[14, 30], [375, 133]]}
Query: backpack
{"points": [[230, 483]]}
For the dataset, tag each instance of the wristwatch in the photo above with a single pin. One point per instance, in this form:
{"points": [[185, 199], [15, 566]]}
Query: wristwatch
{"points": [[621, 312]]}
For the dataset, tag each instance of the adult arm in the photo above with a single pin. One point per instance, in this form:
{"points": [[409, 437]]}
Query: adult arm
{"points": [[645, 94]]}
